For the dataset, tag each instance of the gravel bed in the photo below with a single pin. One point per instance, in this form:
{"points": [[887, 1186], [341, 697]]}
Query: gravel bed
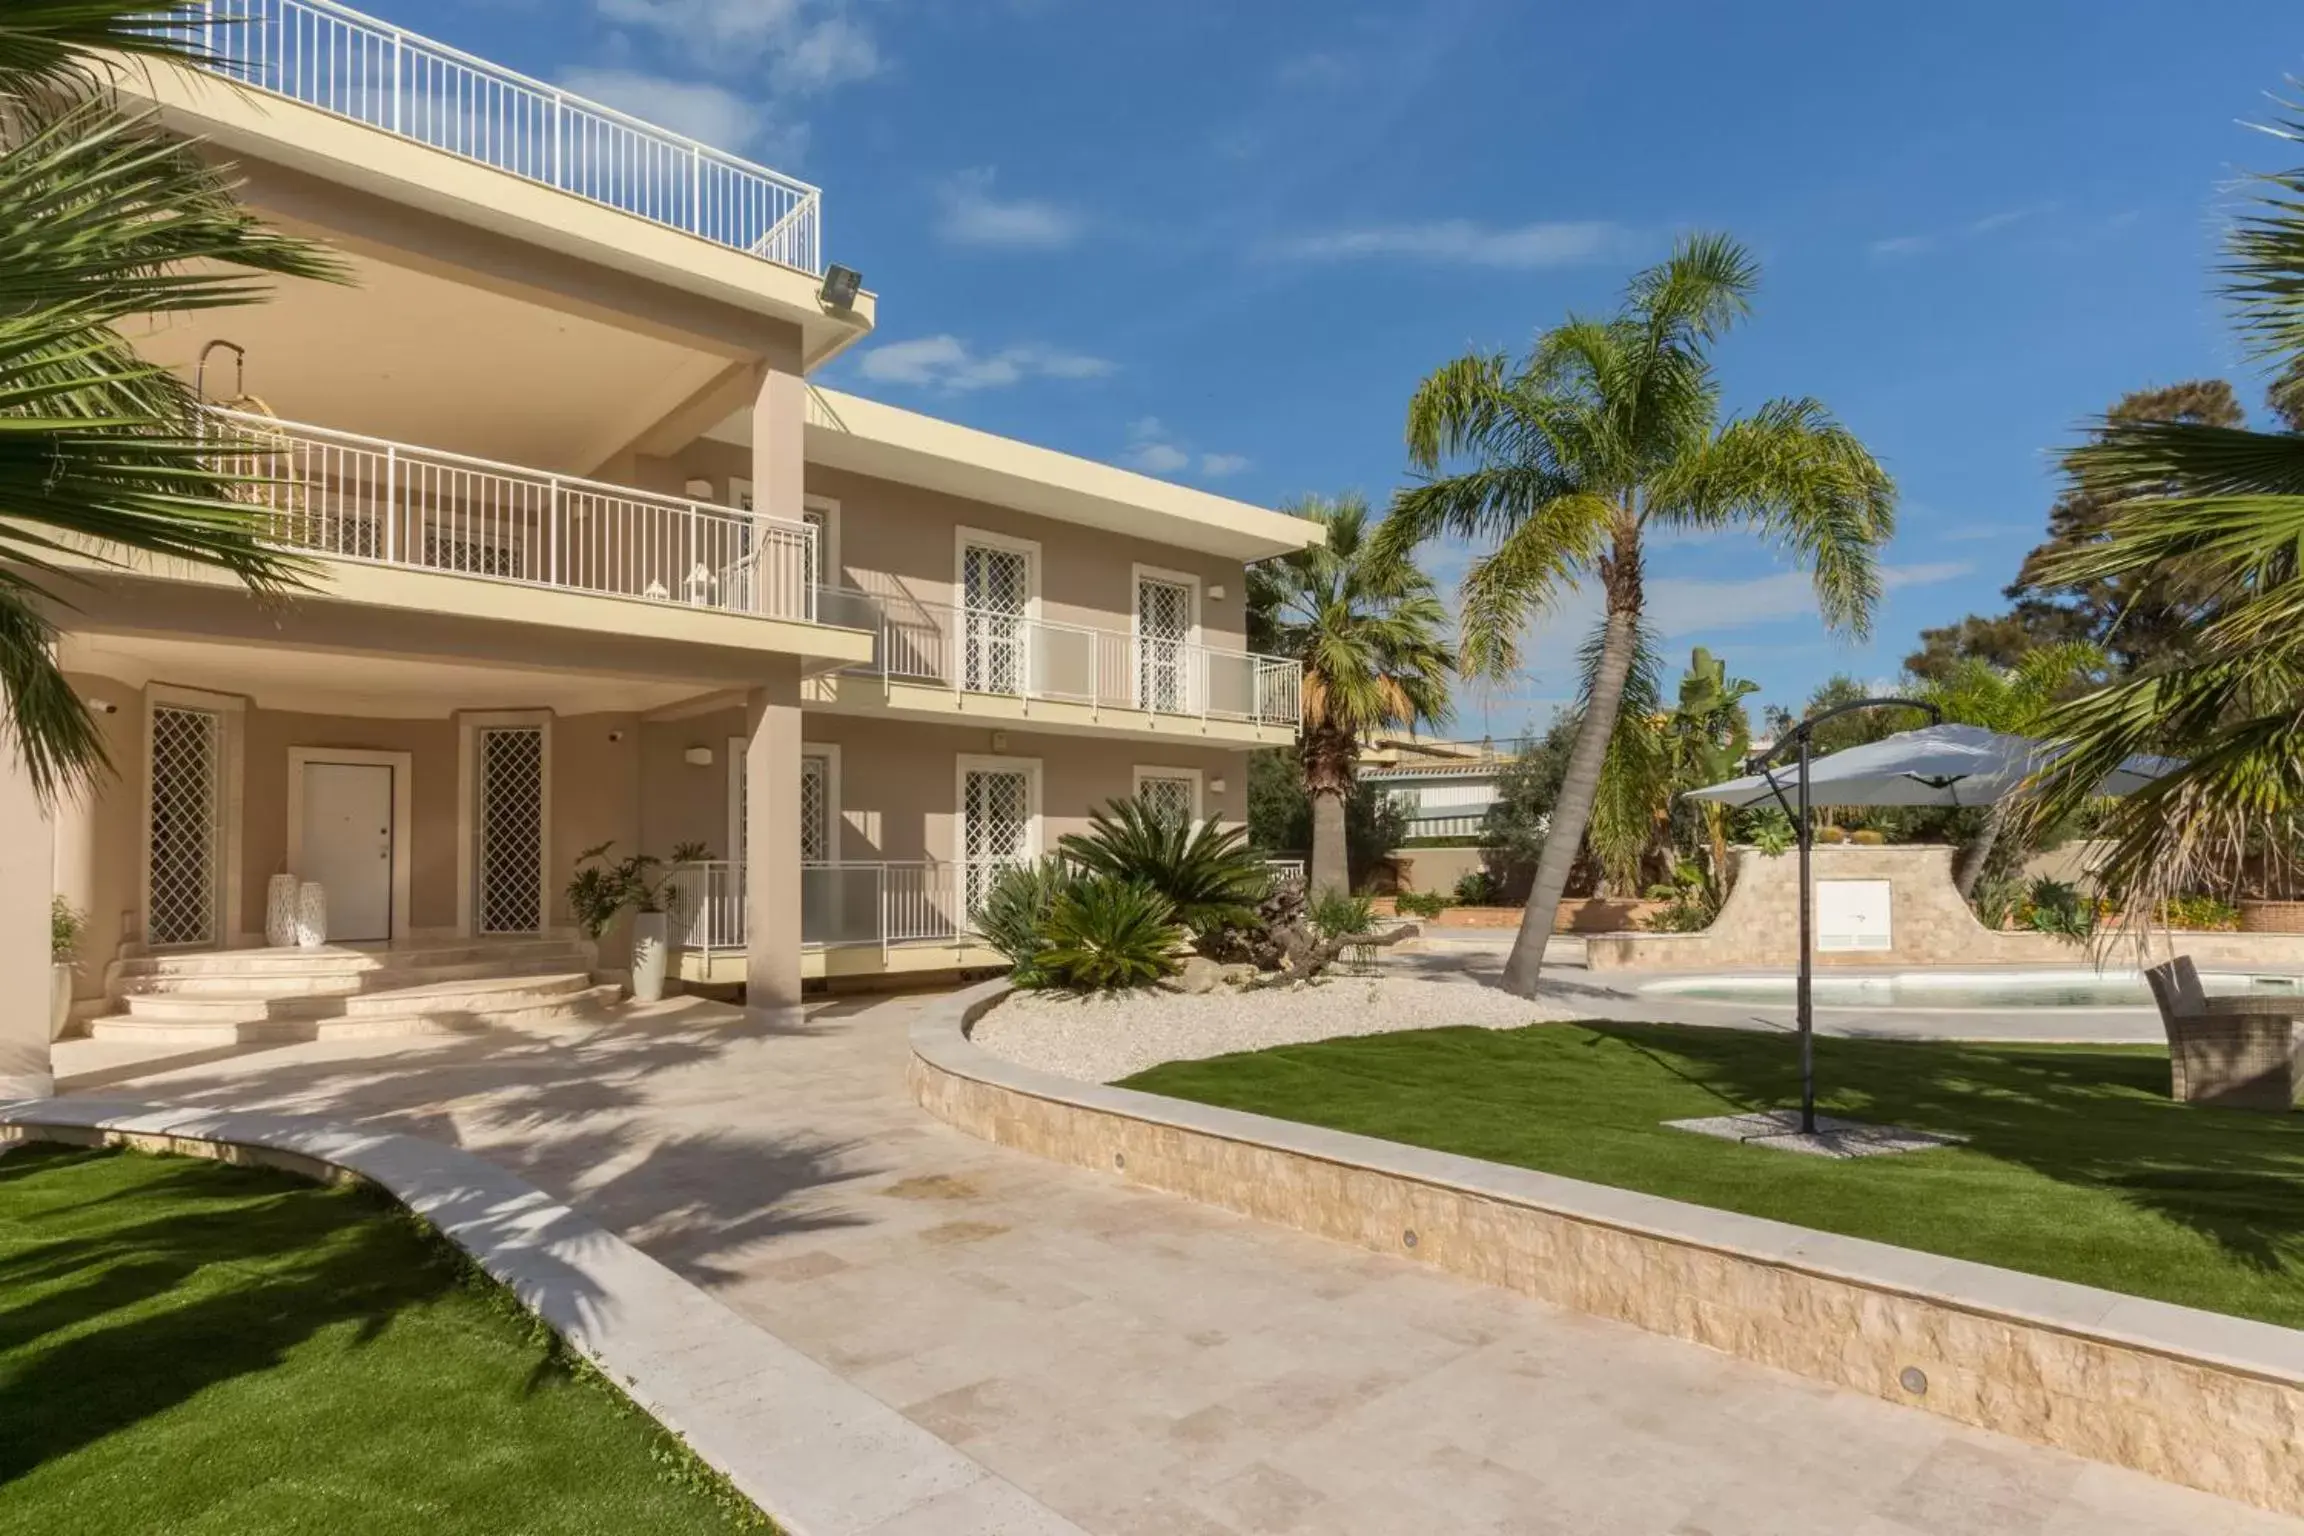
{"points": [[1103, 1039]]}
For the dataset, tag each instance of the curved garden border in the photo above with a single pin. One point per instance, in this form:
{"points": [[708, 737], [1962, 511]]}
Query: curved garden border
{"points": [[820, 1457], [2193, 1397]]}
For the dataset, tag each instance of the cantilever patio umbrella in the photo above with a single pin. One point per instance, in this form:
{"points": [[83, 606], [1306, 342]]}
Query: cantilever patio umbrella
{"points": [[1947, 765]]}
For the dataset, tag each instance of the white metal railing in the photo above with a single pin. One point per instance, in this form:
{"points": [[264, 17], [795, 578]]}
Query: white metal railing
{"points": [[331, 57], [843, 904], [978, 651], [362, 498], [1286, 872]]}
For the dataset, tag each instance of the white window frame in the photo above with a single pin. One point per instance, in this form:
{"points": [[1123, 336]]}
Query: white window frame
{"points": [[964, 536], [830, 752], [469, 725], [966, 762], [1194, 675], [232, 712], [828, 557], [403, 765], [1143, 771]]}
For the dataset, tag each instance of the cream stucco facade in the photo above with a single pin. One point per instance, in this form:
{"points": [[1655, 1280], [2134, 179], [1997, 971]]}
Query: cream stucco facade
{"points": [[592, 560]]}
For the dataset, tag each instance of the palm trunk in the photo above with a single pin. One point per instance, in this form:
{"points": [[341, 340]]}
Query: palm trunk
{"points": [[1331, 869], [1977, 854], [1572, 813]]}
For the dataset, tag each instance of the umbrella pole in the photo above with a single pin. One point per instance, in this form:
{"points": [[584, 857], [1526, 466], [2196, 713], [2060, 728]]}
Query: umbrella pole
{"points": [[1806, 1002]]}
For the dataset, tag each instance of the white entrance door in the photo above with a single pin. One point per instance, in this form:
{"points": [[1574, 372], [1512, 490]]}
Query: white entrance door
{"points": [[999, 817], [509, 872], [1164, 627], [347, 846]]}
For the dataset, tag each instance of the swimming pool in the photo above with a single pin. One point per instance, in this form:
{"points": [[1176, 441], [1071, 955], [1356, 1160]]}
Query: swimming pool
{"points": [[1968, 989]]}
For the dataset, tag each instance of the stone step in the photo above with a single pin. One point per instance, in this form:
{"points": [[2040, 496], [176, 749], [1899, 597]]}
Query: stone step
{"points": [[531, 1011], [567, 999], [345, 983], [477, 995], [343, 959]]}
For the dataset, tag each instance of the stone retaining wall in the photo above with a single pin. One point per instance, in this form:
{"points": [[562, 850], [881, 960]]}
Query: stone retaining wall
{"points": [[2193, 1397]]}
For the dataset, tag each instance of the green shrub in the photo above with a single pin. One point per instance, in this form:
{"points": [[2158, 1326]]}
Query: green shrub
{"points": [[1770, 831], [1335, 915], [1013, 917], [1103, 934], [1831, 835], [2206, 913], [2056, 907], [1479, 888], [65, 925], [1868, 837], [1421, 904], [1209, 875]]}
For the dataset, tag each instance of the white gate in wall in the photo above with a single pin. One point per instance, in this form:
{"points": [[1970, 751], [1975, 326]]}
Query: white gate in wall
{"points": [[509, 872], [187, 773]]}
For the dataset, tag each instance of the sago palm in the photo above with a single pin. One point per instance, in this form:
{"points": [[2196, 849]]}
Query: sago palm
{"points": [[2227, 505], [1370, 631], [104, 218], [1561, 466]]}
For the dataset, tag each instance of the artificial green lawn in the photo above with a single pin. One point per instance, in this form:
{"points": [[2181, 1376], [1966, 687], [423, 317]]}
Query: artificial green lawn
{"points": [[191, 1348], [2078, 1164]]}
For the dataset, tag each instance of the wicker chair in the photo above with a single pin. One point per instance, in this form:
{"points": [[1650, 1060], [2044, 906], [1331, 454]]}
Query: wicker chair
{"points": [[2234, 1052]]}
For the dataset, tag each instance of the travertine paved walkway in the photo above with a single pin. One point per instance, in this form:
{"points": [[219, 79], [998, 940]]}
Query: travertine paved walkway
{"points": [[1145, 1365]]}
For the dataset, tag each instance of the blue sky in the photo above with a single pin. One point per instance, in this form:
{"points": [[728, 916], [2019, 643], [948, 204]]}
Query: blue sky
{"points": [[1222, 242]]}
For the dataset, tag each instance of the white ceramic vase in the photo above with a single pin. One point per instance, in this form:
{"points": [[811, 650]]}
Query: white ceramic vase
{"points": [[650, 931], [60, 974], [280, 911], [311, 915]]}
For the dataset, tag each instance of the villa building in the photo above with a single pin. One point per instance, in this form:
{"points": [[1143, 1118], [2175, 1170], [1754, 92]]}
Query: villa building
{"points": [[593, 560]]}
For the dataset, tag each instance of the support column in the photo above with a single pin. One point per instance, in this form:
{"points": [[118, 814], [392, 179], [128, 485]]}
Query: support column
{"points": [[772, 846], [27, 880], [779, 420]]}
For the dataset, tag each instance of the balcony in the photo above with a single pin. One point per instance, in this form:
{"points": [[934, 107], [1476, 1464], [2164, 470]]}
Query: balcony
{"points": [[976, 651], [335, 59], [348, 497]]}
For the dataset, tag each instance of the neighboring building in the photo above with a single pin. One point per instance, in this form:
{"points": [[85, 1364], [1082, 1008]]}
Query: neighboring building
{"points": [[1443, 788], [595, 561]]}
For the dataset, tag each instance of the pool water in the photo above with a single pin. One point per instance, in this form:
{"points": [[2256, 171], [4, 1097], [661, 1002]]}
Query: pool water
{"points": [[1970, 989]]}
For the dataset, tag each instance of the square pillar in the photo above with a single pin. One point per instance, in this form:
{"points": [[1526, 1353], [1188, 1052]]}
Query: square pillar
{"points": [[779, 420], [27, 881], [772, 847]]}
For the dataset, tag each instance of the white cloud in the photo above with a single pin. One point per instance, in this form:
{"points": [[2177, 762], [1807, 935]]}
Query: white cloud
{"points": [[1974, 229], [807, 46], [973, 216], [949, 364], [1686, 606], [1463, 242], [1159, 458], [696, 108], [1217, 465]]}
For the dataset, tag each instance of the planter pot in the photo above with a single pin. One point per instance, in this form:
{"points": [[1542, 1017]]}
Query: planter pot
{"points": [[60, 974], [280, 911], [649, 948], [2272, 917]]}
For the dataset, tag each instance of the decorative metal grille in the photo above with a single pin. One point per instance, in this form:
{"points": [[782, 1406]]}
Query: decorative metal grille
{"points": [[818, 519], [815, 810], [468, 557], [1169, 798], [996, 827], [1163, 633], [186, 752], [996, 592], [511, 886]]}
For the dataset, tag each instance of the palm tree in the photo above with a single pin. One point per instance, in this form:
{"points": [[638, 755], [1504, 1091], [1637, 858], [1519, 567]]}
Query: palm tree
{"points": [[103, 217], [1368, 628], [1610, 427], [2226, 504]]}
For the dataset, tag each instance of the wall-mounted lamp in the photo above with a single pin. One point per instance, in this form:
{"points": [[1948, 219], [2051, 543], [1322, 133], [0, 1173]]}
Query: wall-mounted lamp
{"points": [[841, 285], [999, 741], [699, 490], [615, 736], [1215, 786], [104, 706], [697, 757], [1216, 593]]}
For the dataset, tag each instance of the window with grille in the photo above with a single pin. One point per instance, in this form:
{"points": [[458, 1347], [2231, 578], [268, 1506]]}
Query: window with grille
{"points": [[820, 520], [1171, 797], [996, 592], [816, 809], [187, 758], [995, 826], [510, 869], [470, 557], [1163, 645]]}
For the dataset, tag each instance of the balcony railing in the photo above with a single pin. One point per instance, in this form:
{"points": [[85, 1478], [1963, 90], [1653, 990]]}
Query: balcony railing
{"points": [[334, 58], [843, 905], [361, 498], [978, 651]]}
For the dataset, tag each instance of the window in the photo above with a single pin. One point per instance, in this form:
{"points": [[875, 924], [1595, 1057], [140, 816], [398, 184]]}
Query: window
{"points": [[1171, 791]]}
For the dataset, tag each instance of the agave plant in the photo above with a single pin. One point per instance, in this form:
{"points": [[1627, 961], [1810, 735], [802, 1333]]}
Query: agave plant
{"points": [[1103, 934], [1208, 874]]}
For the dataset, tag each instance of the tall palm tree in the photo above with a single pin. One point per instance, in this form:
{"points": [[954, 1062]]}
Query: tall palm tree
{"points": [[1611, 427], [103, 217], [1368, 627], [2227, 505]]}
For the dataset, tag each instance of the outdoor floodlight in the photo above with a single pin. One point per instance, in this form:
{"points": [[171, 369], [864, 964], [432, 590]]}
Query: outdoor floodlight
{"points": [[841, 285]]}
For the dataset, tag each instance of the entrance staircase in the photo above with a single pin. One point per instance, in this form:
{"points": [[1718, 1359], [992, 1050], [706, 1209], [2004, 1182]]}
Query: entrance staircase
{"points": [[335, 992]]}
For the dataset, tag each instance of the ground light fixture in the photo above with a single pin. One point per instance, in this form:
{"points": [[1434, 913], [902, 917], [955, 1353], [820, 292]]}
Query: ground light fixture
{"points": [[1798, 744], [841, 285]]}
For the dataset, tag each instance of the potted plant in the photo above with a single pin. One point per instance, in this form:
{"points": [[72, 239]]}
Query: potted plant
{"points": [[65, 925], [603, 889]]}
